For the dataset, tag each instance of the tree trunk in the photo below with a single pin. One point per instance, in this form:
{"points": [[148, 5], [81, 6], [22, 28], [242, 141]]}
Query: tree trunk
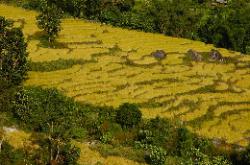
{"points": [[1, 142]]}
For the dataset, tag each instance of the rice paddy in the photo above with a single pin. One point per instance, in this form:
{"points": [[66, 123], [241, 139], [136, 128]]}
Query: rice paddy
{"points": [[113, 65]]}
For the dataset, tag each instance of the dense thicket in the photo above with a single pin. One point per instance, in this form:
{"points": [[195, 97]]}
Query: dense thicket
{"points": [[225, 26]]}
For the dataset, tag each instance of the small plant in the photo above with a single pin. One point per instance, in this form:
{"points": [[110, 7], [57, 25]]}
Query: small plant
{"points": [[106, 138], [21, 105]]}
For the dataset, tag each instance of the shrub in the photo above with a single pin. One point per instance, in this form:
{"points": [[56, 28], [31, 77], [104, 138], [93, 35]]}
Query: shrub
{"points": [[158, 132], [184, 142], [219, 160], [156, 155], [106, 138], [70, 154], [128, 115], [204, 145]]}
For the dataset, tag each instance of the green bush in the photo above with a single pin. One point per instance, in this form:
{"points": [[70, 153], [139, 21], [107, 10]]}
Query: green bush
{"points": [[184, 142], [204, 145], [128, 115], [156, 155], [158, 132], [70, 154], [106, 138]]}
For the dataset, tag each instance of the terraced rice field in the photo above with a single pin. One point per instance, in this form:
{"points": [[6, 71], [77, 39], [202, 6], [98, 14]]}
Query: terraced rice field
{"points": [[213, 98]]}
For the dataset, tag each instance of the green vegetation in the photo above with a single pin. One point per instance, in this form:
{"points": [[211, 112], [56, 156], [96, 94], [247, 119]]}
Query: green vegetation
{"points": [[13, 54], [59, 119], [156, 156], [128, 115], [49, 19]]}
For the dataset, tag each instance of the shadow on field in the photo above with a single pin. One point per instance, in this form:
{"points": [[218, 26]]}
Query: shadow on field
{"points": [[43, 39]]}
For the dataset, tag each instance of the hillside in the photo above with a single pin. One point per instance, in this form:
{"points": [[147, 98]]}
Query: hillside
{"points": [[103, 65]]}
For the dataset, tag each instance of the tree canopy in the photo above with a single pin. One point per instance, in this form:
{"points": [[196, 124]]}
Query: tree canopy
{"points": [[13, 53]]}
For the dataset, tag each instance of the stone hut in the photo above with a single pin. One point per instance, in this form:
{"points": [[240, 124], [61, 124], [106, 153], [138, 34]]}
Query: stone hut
{"points": [[194, 55], [216, 55], [159, 54]]}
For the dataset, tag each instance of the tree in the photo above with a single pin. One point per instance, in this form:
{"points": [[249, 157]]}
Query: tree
{"points": [[92, 8], [128, 115], [13, 53], [49, 20], [79, 7], [60, 150], [176, 18]]}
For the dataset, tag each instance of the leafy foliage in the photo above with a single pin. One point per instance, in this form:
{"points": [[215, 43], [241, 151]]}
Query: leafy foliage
{"points": [[158, 132], [156, 155], [13, 54], [49, 19], [39, 109], [128, 115], [184, 142]]}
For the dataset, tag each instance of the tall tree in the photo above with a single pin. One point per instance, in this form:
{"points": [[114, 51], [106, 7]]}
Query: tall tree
{"points": [[49, 20], [13, 53]]}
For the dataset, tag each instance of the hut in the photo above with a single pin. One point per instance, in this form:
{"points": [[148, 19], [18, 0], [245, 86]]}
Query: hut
{"points": [[159, 54], [194, 55]]}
